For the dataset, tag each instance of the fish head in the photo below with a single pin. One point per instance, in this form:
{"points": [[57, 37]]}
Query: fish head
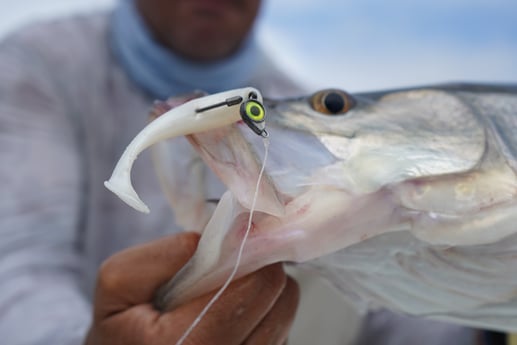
{"points": [[333, 161]]}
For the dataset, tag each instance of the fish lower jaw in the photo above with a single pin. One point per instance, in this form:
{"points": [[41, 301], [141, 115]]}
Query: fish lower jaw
{"points": [[312, 226]]}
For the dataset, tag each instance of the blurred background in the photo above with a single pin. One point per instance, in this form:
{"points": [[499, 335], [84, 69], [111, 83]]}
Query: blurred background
{"points": [[363, 44]]}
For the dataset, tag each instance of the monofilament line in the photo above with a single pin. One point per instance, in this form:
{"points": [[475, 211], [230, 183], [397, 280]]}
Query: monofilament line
{"points": [[239, 255]]}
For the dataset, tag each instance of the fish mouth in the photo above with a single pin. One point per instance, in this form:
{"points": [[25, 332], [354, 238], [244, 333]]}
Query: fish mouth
{"points": [[291, 209], [237, 162], [293, 160], [254, 206], [280, 226], [216, 133]]}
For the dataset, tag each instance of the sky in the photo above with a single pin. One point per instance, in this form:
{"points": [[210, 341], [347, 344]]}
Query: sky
{"points": [[362, 45]]}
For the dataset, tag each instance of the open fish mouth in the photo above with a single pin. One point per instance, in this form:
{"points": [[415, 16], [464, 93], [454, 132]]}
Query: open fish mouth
{"points": [[285, 215], [235, 155], [284, 207], [237, 164], [303, 209]]}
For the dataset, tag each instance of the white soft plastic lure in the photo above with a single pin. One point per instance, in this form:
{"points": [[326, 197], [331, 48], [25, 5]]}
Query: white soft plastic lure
{"points": [[405, 199], [198, 115]]}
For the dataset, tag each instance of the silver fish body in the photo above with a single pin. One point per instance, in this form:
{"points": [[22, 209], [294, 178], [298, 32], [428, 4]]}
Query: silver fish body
{"points": [[407, 200], [457, 259]]}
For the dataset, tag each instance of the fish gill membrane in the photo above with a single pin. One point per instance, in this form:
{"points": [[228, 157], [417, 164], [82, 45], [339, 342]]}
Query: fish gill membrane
{"points": [[403, 199]]}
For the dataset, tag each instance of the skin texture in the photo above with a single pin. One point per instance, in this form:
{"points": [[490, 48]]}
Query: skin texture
{"points": [[126, 284], [200, 30]]}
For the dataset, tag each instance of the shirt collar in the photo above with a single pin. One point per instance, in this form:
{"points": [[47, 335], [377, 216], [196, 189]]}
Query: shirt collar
{"points": [[161, 72]]}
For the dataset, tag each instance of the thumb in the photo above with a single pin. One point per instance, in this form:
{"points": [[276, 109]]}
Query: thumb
{"points": [[132, 276]]}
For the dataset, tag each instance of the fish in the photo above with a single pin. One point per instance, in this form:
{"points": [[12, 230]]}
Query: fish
{"points": [[403, 199]]}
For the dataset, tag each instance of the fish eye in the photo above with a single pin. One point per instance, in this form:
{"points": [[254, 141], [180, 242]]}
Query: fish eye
{"points": [[332, 102]]}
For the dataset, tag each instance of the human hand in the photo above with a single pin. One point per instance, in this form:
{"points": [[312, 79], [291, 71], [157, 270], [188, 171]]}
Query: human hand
{"points": [[256, 309]]}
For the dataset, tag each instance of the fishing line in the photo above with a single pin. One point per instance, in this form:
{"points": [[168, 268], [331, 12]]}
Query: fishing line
{"points": [[203, 312]]}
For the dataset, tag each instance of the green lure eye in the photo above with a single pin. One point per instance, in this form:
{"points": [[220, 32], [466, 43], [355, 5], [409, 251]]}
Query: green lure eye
{"points": [[254, 115], [254, 111]]}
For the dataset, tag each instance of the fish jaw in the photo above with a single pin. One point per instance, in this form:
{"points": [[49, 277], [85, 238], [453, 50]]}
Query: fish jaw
{"points": [[317, 222]]}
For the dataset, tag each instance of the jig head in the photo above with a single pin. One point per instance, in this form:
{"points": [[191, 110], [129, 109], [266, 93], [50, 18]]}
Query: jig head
{"points": [[195, 116], [252, 112]]}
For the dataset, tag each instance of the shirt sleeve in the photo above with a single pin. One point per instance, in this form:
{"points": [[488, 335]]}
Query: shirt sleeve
{"points": [[40, 177]]}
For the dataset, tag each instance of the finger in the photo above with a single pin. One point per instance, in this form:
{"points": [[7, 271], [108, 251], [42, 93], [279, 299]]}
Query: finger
{"points": [[132, 276], [234, 316], [274, 328]]}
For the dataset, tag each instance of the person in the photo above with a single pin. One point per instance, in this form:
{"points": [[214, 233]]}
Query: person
{"points": [[73, 92]]}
